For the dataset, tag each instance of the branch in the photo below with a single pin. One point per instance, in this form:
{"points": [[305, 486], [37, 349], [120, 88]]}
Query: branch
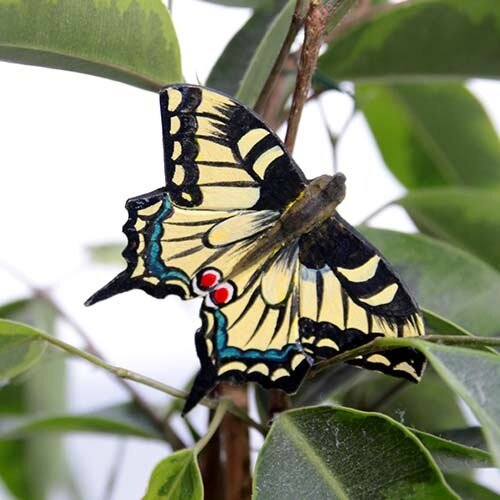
{"points": [[123, 373], [295, 26], [316, 23]]}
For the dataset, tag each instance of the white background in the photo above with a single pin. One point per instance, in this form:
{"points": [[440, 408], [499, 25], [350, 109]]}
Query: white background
{"points": [[73, 148]]}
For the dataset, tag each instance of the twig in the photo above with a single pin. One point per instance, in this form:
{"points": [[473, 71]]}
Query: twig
{"points": [[162, 426], [376, 212], [221, 410], [295, 26], [144, 380], [115, 470], [314, 31]]}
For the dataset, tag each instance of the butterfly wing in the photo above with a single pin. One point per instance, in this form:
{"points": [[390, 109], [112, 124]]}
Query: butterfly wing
{"points": [[228, 177], [255, 336], [349, 295]]}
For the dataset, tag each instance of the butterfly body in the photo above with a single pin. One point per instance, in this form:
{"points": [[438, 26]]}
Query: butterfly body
{"points": [[285, 281]]}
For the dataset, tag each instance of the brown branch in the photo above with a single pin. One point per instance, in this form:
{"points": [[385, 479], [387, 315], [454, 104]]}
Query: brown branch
{"points": [[295, 26], [314, 31], [236, 446]]}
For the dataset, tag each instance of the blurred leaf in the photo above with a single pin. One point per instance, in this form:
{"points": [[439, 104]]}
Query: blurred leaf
{"points": [[432, 135], [468, 489], [444, 279], [107, 253], [468, 436], [451, 456], [468, 218], [246, 62], [332, 453], [132, 41], [20, 348], [410, 404], [40, 466], [419, 40], [119, 420], [323, 385], [177, 477]]}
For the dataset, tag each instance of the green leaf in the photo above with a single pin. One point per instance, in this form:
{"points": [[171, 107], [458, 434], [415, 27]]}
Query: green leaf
{"points": [[447, 280], [436, 324], [468, 436], [132, 41], [410, 405], [419, 40], [107, 253], [474, 376], [468, 489], [468, 218], [119, 420], [451, 456], [20, 348], [246, 62], [432, 135], [177, 477], [343, 453]]}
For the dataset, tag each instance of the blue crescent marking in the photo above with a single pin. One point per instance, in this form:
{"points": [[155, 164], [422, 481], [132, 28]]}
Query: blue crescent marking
{"points": [[155, 265], [277, 355]]}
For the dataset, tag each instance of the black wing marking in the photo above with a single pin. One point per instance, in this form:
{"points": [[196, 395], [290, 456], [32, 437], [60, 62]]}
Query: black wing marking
{"points": [[358, 298], [220, 155]]}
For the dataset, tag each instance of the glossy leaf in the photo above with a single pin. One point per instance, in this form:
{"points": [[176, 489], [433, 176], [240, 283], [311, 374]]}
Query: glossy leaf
{"points": [[132, 41], [409, 403], [419, 40], [468, 218], [468, 489], [342, 453], [245, 64], [451, 456], [177, 477], [468, 436], [474, 376], [20, 348], [432, 135], [444, 279], [119, 420]]}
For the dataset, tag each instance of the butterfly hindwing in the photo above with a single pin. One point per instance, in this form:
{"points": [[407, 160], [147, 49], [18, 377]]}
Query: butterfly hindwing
{"points": [[350, 295], [255, 336]]}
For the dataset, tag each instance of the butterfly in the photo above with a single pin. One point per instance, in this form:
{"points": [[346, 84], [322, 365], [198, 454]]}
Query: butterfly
{"points": [[285, 281]]}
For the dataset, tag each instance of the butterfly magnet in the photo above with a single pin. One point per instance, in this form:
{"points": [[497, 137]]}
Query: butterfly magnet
{"points": [[285, 281]]}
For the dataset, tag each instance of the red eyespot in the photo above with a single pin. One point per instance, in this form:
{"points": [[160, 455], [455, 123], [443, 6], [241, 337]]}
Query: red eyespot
{"points": [[222, 294], [208, 279]]}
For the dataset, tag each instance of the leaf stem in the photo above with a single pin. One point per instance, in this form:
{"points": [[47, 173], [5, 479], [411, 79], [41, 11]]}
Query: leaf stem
{"points": [[222, 408]]}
